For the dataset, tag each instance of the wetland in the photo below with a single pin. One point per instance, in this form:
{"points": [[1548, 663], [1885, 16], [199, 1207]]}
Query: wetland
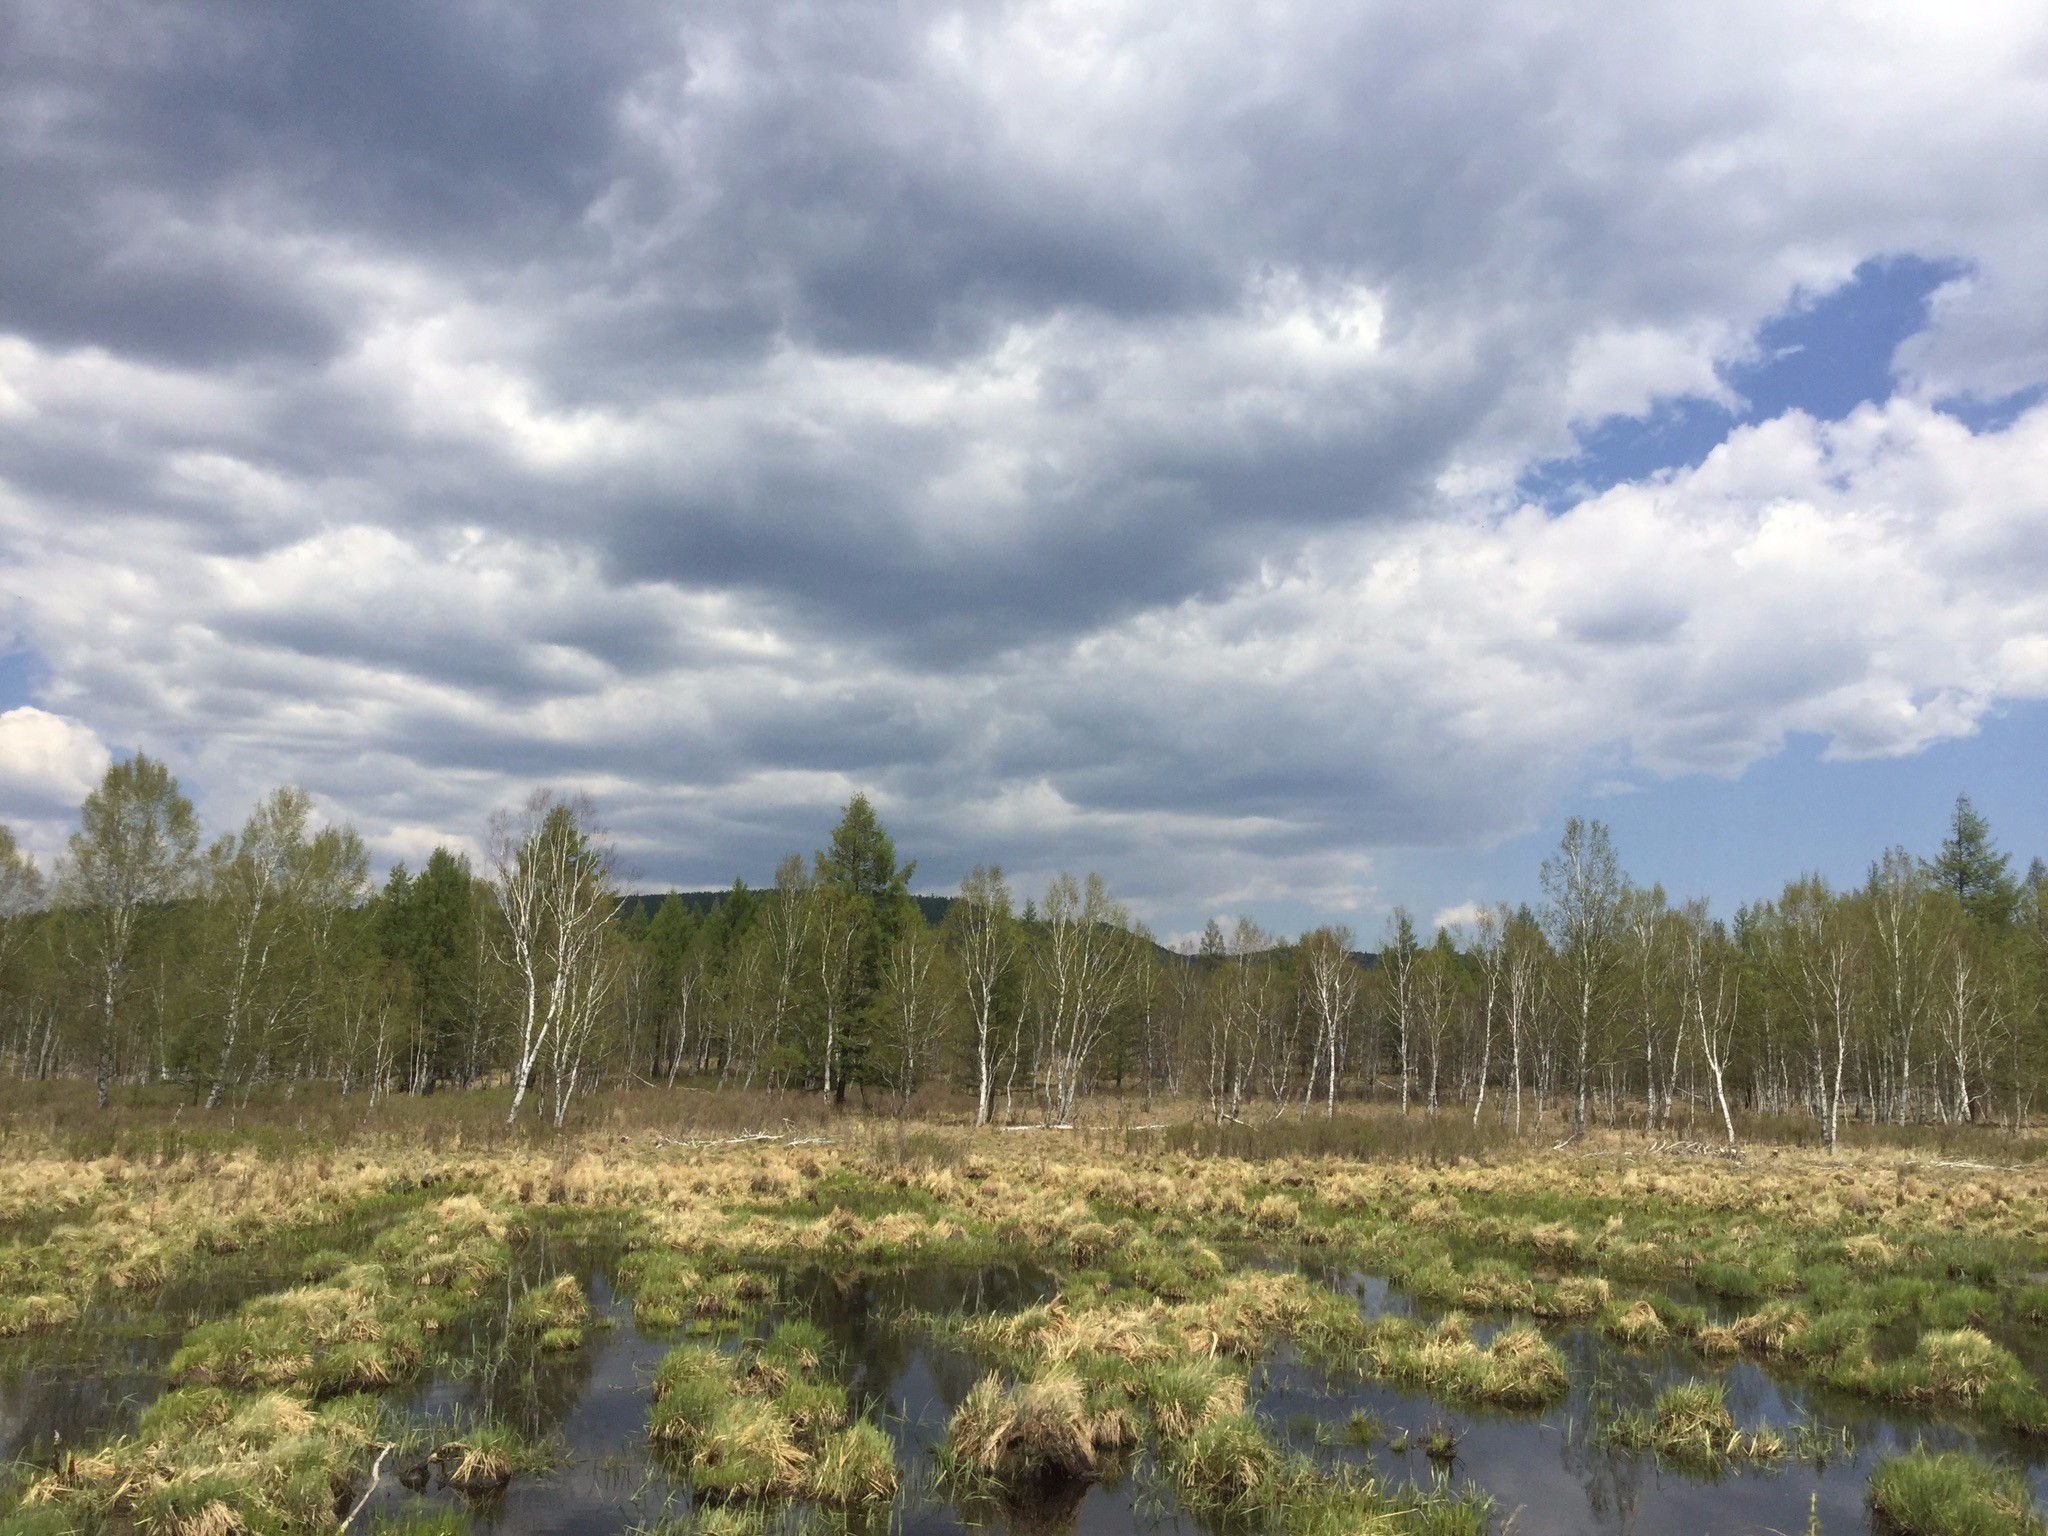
{"points": [[1091, 1333]]}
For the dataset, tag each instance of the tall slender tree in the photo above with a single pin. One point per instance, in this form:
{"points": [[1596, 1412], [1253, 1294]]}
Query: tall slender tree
{"points": [[555, 883], [869, 905], [1330, 986], [1583, 886], [1970, 866], [984, 938], [134, 854]]}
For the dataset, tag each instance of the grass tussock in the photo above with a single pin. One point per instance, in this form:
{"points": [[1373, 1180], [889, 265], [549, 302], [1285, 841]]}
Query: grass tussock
{"points": [[457, 1245], [1636, 1327], [854, 1466], [770, 1425], [556, 1314], [355, 1333], [1225, 1464], [1874, 1271], [1960, 1368], [208, 1462], [670, 1291], [1690, 1424], [474, 1455], [35, 1312], [1519, 1369], [1033, 1431], [1572, 1298], [1951, 1493], [1180, 1396]]}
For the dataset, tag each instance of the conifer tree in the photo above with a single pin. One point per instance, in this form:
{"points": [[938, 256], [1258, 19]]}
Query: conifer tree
{"points": [[1971, 867]]}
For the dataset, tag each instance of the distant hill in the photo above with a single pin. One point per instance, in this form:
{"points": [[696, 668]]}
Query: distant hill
{"points": [[934, 909]]}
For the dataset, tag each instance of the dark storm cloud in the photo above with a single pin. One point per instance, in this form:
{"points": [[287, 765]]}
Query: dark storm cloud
{"points": [[1094, 429], [664, 196], [465, 126]]}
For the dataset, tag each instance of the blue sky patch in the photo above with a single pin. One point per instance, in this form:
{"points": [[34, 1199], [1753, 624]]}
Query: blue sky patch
{"points": [[1824, 356], [21, 674]]}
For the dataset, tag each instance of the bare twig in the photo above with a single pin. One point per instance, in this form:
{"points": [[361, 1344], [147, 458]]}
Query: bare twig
{"points": [[718, 1141], [376, 1472]]}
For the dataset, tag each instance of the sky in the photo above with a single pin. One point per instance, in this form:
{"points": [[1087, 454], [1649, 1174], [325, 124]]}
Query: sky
{"points": [[1287, 458]]}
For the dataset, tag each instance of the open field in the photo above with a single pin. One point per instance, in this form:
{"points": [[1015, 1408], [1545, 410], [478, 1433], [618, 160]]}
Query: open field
{"points": [[279, 1325]]}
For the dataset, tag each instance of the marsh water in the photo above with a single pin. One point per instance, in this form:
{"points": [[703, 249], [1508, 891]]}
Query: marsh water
{"points": [[1546, 1472]]}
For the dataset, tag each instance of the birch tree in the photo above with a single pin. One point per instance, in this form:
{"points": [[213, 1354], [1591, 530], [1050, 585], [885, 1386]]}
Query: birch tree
{"points": [[915, 1002], [1819, 960], [554, 878], [1906, 931], [22, 895], [1329, 984], [1084, 967], [985, 944], [1710, 982], [135, 852], [255, 890], [1490, 953], [1583, 885], [1524, 961], [1398, 958], [789, 914]]}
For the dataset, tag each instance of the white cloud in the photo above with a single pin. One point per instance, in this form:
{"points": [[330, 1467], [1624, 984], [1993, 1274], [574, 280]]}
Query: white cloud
{"points": [[1091, 430], [1465, 915], [47, 760]]}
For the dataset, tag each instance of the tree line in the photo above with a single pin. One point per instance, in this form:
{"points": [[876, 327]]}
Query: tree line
{"points": [[267, 958]]}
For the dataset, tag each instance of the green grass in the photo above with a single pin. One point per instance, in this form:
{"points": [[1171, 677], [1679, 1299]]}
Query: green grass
{"points": [[205, 1461], [1226, 1464], [672, 1290], [1011, 1435], [1690, 1424], [855, 1466], [1889, 1284], [556, 1314], [768, 1424], [1951, 1493], [354, 1333], [1519, 1369]]}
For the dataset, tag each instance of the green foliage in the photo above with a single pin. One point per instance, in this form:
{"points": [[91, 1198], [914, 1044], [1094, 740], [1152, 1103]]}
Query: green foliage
{"points": [[557, 1312], [1972, 869], [204, 1460], [1519, 1368], [428, 927], [1690, 1424], [1951, 1493], [767, 1426]]}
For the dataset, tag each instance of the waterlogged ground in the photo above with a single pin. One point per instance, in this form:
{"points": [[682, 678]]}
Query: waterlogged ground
{"points": [[1349, 1319], [1552, 1473]]}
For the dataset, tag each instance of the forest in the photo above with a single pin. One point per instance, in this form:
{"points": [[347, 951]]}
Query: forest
{"points": [[266, 961]]}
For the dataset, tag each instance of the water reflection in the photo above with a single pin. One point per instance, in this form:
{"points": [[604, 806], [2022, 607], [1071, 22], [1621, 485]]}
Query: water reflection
{"points": [[1548, 1472], [74, 1386]]}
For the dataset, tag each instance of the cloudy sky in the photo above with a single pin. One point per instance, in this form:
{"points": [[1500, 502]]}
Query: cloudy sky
{"points": [[1286, 456]]}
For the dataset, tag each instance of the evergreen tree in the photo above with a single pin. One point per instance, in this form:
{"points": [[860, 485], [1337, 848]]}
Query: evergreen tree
{"points": [[672, 942], [1972, 868], [859, 869], [426, 926]]}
